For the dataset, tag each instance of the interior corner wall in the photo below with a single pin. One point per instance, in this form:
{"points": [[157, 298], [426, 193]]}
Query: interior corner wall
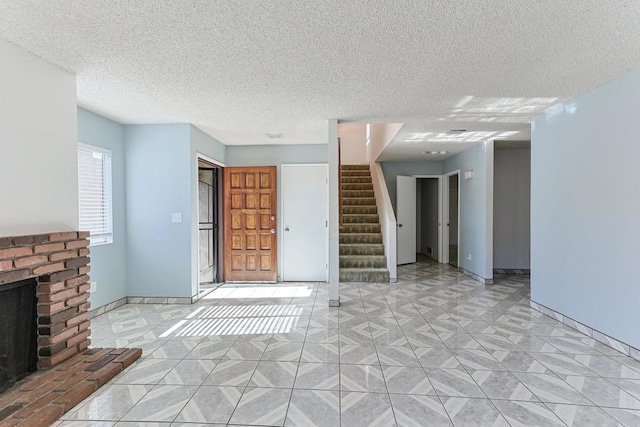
{"points": [[158, 178], [108, 262], [585, 206], [201, 144], [38, 134], [476, 207], [512, 209], [391, 170], [276, 155]]}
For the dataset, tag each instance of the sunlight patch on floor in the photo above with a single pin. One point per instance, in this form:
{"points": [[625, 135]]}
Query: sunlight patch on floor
{"points": [[240, 291]]}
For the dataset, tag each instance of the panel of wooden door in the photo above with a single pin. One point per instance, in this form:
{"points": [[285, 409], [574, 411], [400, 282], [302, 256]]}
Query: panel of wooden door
{"points": [[250, 224]]}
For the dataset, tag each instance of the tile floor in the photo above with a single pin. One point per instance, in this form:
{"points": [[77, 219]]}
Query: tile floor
{"points": [[434, 349]]}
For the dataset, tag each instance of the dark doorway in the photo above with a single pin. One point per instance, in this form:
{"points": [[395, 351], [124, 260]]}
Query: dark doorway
{"points": [[428, 221], [18, 334], [208, 226]]}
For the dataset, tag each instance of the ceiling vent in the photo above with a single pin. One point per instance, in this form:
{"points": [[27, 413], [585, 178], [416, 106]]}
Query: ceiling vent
{"points": [[455, 132], [435, 153], [274, 135]]}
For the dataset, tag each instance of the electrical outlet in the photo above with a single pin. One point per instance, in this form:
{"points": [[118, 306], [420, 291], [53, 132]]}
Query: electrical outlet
{"points": [[468, 257], [176, 217], [93, 286]]}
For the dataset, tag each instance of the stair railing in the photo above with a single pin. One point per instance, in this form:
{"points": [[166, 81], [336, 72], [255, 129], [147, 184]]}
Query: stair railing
{"points": [[387, 219]]}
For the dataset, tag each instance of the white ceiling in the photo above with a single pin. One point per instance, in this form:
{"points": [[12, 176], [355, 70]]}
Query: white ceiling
{"points": [[240, 69]]}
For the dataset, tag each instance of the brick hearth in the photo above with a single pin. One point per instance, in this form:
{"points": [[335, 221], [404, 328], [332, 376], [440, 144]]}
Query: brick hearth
{"points": [[60, 264], [41, 398]]}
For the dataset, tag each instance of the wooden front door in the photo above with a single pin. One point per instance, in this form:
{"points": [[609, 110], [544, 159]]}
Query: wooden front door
{"points": [[250, 224]]}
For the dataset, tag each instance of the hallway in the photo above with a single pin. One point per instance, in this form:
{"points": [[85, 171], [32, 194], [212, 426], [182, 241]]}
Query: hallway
{"points": [[437, 348]]}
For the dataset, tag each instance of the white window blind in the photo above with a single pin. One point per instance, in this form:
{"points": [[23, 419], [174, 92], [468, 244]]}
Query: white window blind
{"points": [[94, 193]]}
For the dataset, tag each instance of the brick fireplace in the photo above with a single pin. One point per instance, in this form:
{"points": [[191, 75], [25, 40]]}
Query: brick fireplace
{"points": [[55, 266], [59, 263]]}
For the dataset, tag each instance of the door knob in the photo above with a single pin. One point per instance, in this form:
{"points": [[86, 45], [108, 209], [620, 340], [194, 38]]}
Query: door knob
{"points": [[400, 225], [286, 229], [273, 230]]}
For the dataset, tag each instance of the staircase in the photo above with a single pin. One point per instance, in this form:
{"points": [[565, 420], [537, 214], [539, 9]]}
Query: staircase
{"points": [[361, 250]]}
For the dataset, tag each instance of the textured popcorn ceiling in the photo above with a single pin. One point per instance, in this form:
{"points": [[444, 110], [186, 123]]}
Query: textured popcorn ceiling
{"points": [[239, 69]]}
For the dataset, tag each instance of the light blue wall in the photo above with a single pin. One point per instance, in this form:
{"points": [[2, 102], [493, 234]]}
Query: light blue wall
{"points": [[108, 262], [585, 209], [391, 171], [155, 174], [158, 179], [476, 207], [276, 155], [211, 149]]}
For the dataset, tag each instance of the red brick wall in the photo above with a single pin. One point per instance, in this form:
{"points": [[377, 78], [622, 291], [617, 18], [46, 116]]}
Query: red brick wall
{"points": [[60, 264]]}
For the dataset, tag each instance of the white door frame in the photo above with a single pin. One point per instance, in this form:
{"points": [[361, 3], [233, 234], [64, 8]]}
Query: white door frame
{"points": [[208, 159], [445, 215], [440, 212], [282, 218]]}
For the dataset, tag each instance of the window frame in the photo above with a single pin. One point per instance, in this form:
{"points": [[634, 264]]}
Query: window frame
{"points": [[107, 182]]}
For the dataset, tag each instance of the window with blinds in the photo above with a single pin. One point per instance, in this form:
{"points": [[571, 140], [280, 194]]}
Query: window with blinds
{"points": [[94, 193]]}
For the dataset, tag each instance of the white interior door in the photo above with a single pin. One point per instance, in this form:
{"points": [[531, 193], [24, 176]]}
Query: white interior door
{"points": [[304, 221], [406, 208]]}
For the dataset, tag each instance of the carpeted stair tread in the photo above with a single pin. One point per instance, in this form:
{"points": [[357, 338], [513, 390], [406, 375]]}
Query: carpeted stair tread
{"points": [[360, 228], [357, 187], [360, 238], [351, 173], [362, 249], [363, 261], [375, 275], [357, 193], [359, 201], [355, 209], [360, 219], [355, 167], [356, 180]]}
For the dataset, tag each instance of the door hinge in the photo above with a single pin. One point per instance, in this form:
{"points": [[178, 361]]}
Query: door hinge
{"points": [[326, 223]]}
